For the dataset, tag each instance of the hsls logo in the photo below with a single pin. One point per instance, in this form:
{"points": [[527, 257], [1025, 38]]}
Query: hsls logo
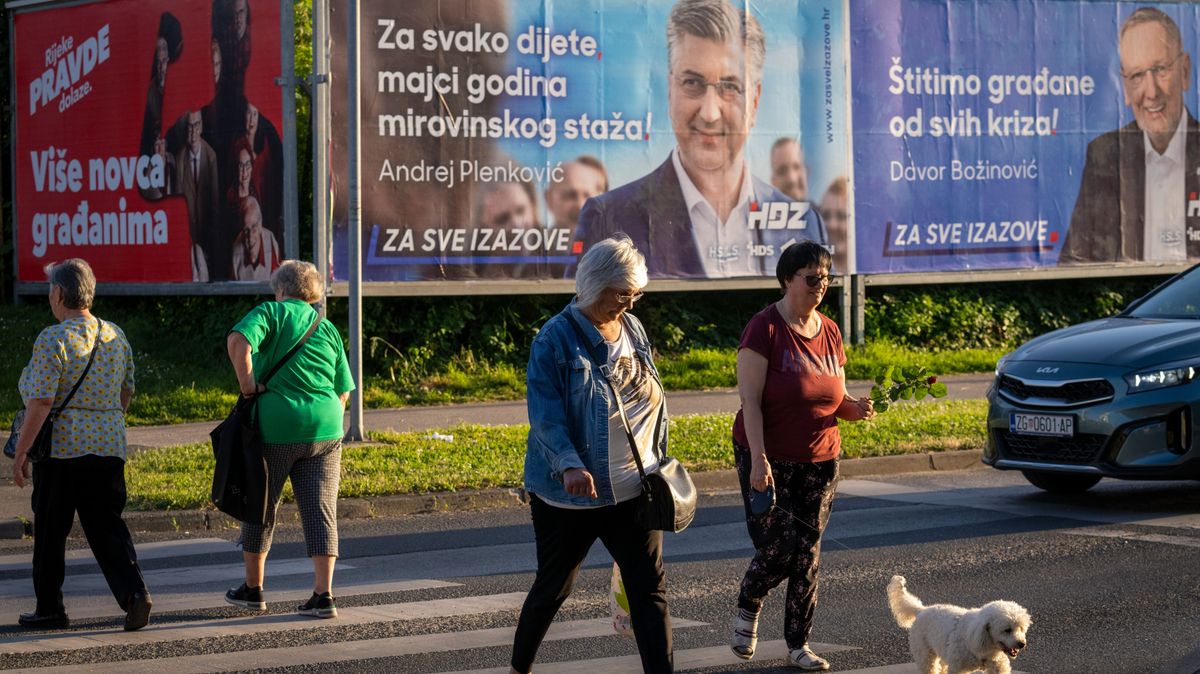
{"points": [[778, 215]]}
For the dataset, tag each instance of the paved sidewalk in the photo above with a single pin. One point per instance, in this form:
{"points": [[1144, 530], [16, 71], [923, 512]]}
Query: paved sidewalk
{"points": [[513, 412], [15, 508]]}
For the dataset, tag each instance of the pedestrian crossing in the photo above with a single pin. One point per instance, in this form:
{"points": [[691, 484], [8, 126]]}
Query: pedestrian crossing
{"points": [[420, 606]]}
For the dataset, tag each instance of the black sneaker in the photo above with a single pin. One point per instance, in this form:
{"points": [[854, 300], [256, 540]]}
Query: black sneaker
{"points": [[246, 597], [49, 621], [319, 606], [137, 610]]}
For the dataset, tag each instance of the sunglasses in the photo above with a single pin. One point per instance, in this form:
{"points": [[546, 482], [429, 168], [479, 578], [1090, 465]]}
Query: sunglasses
{"points": [[629, 299], [814, 280]]}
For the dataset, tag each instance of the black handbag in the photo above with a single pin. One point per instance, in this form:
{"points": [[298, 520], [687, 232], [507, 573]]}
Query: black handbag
{"points": [[668, 498], [240, 477], [40, 449]]}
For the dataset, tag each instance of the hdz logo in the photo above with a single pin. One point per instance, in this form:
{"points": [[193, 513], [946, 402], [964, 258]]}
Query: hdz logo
{"points": [[778, 215]]}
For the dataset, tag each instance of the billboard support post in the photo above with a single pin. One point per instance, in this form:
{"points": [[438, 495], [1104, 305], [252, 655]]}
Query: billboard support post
{"points": [[354, 224], [319, 113], [858, 301], [845, 307], [287, 84]]}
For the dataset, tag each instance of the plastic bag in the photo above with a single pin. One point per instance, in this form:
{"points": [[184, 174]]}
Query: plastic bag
{"points": [[619, 604]]}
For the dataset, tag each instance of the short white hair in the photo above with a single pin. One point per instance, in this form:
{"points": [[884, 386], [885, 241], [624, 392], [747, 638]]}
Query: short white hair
{"points": [[611, 263]]}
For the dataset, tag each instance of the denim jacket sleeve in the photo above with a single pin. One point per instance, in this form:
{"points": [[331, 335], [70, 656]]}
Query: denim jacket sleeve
{"points": [[546, 397]]}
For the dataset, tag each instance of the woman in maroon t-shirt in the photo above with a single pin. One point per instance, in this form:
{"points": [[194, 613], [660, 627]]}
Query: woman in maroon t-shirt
{"points": [[793, 391]]}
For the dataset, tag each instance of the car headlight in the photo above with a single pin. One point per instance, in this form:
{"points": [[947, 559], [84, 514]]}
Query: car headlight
{"points": [[1160, 377], [1000, 363]]}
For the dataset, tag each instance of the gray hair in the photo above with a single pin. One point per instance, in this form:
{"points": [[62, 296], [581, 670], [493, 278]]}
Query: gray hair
{"points": [[297, 280], [611, 263], [1153, 15], [719, 21], [76, 280]]}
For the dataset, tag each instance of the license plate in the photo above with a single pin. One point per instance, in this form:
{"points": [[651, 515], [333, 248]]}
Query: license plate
{"points": [[1054, 425]]}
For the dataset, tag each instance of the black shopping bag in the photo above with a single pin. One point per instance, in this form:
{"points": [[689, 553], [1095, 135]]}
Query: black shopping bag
{"points": [[240, 478]]}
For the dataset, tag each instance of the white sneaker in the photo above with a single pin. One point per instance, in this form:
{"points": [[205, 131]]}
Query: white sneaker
{"points": [[804, 658], [745, 634]]}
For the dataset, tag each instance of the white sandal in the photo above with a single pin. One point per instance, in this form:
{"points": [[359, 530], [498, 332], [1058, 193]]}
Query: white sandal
{"points": [[804, 658], [745, 634]]}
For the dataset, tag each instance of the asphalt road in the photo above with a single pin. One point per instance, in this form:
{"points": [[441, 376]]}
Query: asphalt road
{"points": [[1110, 578]]}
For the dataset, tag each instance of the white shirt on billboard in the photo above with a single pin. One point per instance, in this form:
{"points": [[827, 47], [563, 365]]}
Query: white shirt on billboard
{"points": [[716, 241], [1164, 237]]}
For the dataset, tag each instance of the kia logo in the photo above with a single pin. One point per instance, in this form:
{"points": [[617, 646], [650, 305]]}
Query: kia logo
{"points": [[1047, 370]]}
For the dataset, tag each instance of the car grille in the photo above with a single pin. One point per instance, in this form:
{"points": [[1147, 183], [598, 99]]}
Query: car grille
{"points": [[1065, 395], [1082, 449]]}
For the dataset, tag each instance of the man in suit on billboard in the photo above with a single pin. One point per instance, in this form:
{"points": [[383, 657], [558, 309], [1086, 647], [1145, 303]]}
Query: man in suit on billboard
{"points": [[196, 179], [701, 213], [1138, 195]]}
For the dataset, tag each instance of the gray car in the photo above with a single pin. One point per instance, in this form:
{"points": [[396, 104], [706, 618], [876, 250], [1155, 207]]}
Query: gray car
{"points": [[1117, 397]]}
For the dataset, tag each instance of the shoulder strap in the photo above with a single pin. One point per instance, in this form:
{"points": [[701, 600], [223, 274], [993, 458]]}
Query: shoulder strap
{"points": [[283, 361], [607, 372], [91, 359]]}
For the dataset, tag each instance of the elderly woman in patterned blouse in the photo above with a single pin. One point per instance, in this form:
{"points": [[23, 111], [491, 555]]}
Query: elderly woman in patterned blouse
{"points": [[85, 472]]}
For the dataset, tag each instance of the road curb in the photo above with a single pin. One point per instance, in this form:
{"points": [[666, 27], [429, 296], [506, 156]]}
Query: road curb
{"points": [[400, 505]]}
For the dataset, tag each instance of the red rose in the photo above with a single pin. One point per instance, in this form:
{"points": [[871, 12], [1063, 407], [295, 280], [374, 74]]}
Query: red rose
{"points": [[932, 380]]}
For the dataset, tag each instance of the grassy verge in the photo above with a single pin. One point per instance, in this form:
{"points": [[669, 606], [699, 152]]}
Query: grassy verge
{"points": [[717, 368], [492, 456]]}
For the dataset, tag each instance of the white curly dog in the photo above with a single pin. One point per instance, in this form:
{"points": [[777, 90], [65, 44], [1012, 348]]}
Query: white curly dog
{"points": [[949, 639]]}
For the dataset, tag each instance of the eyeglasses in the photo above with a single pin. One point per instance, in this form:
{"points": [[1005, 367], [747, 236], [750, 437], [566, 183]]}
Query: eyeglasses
{"points": [[1158, 72], [814, 280], [695, 87], [629, 299]]}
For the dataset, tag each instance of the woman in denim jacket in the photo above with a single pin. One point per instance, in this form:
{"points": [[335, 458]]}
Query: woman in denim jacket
{"points": [[579, 468]]}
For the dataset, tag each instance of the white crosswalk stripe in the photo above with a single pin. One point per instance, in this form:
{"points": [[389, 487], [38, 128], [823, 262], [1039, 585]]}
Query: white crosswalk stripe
{"points": [[693, 658], [416, 628], [261, 624], [351, 650], [145, 551]]}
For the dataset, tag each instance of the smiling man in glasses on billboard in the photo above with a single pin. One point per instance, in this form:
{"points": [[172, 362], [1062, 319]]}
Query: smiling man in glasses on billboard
{"points": [[701, 213], [1137, 198]]}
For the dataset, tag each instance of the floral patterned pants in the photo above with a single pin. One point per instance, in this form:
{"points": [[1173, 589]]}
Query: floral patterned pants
{"points": [[787, 547]]}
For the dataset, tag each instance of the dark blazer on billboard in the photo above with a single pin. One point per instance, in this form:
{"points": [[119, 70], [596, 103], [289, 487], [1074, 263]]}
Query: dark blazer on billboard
{"points": [[203, 207], [653, 212], [1108, 222]]}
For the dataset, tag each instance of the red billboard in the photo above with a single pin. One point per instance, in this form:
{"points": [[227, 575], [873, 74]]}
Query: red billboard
{"points": [[147, 139]]}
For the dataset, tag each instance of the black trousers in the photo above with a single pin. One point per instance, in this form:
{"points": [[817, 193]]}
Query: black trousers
{"points": [[564, 537], [93, 486]]}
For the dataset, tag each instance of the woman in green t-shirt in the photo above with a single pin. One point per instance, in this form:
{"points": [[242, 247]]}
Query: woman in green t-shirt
{"points": [[300, 412]]}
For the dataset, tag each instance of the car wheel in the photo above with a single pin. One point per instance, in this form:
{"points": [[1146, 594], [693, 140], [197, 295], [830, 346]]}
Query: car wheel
{"points": [[1060, 483]]}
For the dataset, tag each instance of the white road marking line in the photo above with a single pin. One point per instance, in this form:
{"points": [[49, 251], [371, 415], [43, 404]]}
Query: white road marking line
{"points": [[159, 550], [1012, 500], [105, 607], [692, 658], [183, 576], [259, 624], [1168, 539], [350, 650]]}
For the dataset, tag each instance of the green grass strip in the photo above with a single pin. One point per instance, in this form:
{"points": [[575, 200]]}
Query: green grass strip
{"points": [[493, 456]]}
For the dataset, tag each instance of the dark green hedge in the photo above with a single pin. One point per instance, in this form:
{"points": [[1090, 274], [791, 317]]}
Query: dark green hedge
{"points": [[414, 335]]}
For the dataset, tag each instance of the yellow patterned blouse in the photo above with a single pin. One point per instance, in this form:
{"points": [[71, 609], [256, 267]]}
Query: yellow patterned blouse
{"points": [[93, 422]]}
